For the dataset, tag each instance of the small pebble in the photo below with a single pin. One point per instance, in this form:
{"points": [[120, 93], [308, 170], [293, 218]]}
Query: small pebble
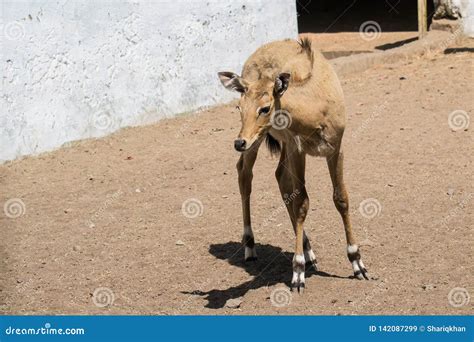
{"points": [[233, 303], [428, 287]]}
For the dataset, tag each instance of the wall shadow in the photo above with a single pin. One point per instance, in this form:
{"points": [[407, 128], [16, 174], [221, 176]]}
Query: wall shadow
{"points": [[458, 50]]}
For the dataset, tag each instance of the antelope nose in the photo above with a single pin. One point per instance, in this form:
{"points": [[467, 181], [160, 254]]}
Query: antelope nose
{"points": [[239, 145]]}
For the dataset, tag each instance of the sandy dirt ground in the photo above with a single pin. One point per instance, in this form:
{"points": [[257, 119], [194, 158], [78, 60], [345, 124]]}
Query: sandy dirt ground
{"points": [[351, 41], [101, 227]]}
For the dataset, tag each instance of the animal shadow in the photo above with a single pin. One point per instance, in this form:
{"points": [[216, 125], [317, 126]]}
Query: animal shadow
{"points": [[273, 266]]}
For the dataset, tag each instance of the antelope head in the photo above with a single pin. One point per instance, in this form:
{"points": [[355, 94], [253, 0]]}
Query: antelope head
{"points": [[258, 101]]}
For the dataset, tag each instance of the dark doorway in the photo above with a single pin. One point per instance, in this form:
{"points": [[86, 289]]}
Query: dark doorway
{"points": [[348, 15]]}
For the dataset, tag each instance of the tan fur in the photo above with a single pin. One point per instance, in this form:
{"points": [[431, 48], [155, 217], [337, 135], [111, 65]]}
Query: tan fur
{"points": [[282, 56], [314, 97], [315, 103]]}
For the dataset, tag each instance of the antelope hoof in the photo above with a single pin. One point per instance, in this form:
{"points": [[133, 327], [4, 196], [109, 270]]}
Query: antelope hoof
{"points": [[360, 272], [250, 254], [249, 243], [297, 282], [311, 260]]}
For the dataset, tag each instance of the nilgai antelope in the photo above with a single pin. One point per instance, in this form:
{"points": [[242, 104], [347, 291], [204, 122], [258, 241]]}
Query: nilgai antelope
{"points": [[292, 98]]}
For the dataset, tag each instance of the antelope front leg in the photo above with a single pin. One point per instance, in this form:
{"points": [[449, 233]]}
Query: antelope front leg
{"points": [[244, 169], [300, 209], [301, 206], [285, 183], [341, 200]]}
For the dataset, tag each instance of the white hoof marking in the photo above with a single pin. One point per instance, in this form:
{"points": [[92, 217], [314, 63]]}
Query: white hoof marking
{"points": [[299, 259], [310, 255], [294, 280], [250, 252], [298, 278], [351, 249], [355, 266], [301, 278]]}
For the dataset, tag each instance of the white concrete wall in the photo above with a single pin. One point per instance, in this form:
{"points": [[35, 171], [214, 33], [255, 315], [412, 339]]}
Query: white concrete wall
{"points": [[78, 69], [466, 7]]}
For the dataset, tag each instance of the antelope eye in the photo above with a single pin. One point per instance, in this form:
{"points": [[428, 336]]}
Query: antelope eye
{"points": [[264, 110]]}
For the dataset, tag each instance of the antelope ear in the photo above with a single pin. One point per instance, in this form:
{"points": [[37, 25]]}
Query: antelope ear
{"points": [[281, 83], [232, 81]]}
